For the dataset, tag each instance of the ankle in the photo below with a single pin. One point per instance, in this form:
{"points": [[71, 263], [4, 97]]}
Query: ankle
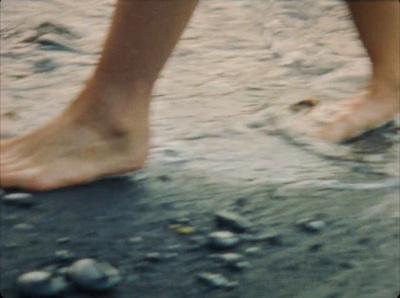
{"points": [[384, 79], [111, 107]]}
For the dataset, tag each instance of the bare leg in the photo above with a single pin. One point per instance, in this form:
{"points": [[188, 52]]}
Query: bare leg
{"points": [[105, 130], [378, 25]]}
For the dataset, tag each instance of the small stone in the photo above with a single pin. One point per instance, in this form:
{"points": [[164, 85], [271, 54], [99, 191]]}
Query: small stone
{"points": [[10, 245], [22, 200], [312, 226], [10, 217], [239, 265], [153, 256], [270, 238], [135, 240], [223, 239], [228, 257], [213, 279], [182, 220], [23, 227], [64, 255], [171, 255], [174, 247], [305, 104], [93, 276], [63, 240], [252, 250], [233, 221], [40, 284], [184, 230], [231, 285]]}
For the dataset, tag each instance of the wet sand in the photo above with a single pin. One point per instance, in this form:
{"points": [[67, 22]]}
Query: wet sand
{"points": [[219, 115]]}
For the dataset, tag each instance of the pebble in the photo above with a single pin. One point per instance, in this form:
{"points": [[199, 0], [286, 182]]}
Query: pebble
{"points": [[153, 256], [223, 239], [252, 250], [171, 255], [91, 275], [304, 104], [228, 257], [233, 221], [232, 260], [40, 284], [312, 226], [135, 240], [181, 220], [182, 229], [22, 200], [64, 255], [10, 217], [213, 279], [10, 245], [63, 240], [239, 265], [270, 238], [174, 247], [24, 227]]}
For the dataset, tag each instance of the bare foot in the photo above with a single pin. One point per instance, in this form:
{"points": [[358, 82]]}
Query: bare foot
{"points": [[355, 116], [79, 146]]}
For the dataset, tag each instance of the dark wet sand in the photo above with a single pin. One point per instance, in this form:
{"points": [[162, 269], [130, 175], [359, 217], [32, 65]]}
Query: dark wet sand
{"points": [[229, 90]]}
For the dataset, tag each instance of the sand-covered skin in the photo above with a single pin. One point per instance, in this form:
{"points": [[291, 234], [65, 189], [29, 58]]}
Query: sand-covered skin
{"points": [[220, 140]]}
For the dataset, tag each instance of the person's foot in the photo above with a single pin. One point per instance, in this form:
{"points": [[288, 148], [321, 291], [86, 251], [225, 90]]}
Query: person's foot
{"points": [[379, 104], [89, 140]]}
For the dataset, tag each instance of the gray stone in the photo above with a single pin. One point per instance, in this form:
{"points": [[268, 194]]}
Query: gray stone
{"points": [[171, 255], [10, 245], [213, 279], [135, 240], [63, 240], [182, 220], [312, 226], [153, 256], [233, 221], [23, 227], [223, 239], [91, 275], [174, 247], [271, 238], [64, 255], [10, 217], [227, 257], [40, 284], [22, 200], [239, 265], [252, 250]]}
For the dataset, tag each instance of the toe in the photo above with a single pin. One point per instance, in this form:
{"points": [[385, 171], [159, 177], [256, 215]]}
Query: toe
{"points": [[25, 178]]}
